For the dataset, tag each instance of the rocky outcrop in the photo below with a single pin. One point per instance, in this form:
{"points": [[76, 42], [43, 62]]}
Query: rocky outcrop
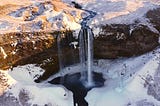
{"points": [[119, 40], [18, 46], [154, 18]]}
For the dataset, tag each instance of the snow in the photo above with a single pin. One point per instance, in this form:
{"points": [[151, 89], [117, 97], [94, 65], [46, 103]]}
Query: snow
{"points": [[26, 74], [38, 15], [57, 15], [118, 12], [22, 78], [133, 89], [3, 52], [119, 90], [44, 94], [57, 18]]}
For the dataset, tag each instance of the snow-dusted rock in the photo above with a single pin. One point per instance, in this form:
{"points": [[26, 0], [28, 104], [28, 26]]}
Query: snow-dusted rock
{"points": [[120, 40]]}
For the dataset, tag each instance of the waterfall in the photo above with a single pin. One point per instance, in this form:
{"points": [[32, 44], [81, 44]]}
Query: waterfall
{"points": [[90, 57], [82, 53], [60, 56], [85, 51], [86, 55]]}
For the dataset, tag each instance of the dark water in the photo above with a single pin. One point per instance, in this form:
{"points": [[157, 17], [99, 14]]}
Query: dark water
{"points": [[74, 83]]}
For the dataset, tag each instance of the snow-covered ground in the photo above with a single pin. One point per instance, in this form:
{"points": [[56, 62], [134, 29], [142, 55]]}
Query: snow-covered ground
{"points": [[127, 88], [124, 85], [21, 80], [38, 15], [56, 15], [118, 12]]}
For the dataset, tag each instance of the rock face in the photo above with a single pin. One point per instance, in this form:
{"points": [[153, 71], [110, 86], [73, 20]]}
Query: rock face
{"points": [[120, 41], [154, 18], [17, 46]]}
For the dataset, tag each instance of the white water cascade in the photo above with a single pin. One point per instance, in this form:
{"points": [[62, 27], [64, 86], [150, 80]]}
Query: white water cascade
{"points": [[86, 55]]}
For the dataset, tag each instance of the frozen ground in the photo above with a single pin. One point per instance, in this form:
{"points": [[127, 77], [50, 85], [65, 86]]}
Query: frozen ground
{"points": [[38, 15], [118, 12], [24, 91], [124, 85]]}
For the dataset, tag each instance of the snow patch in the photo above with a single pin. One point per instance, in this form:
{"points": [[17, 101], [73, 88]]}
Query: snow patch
{"points": [[26, 74], [3, 52]]}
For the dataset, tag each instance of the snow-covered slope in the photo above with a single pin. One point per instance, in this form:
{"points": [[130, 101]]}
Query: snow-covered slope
{"points": [[21, 81], [118, 12], [38, 15], [34, 15]]}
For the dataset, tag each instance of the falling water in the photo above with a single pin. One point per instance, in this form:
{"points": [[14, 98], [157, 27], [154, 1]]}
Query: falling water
{"points": [[82, 51], [59, 52], [86, 54], [60, 55], [90, 57]]}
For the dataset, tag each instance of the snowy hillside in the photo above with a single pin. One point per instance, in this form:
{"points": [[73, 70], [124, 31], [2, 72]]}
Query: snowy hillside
{"points": [[39, 15], [35, 15], [118, 12]]}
